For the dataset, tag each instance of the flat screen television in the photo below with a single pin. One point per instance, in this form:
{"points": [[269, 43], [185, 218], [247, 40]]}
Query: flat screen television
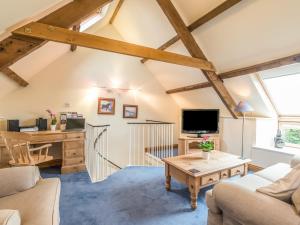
{"points": [[200, 121]]}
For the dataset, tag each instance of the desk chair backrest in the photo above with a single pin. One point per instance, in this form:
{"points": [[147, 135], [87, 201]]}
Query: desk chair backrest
{"points": [[18, 146]]}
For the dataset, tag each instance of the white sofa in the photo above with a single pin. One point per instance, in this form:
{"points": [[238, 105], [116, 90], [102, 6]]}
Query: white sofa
{"points": [[236, 202], [27, 199]]}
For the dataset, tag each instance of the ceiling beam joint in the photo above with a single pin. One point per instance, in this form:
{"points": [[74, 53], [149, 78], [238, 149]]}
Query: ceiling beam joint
{"points": [[199, 22], [195, 51], [292, 59]]}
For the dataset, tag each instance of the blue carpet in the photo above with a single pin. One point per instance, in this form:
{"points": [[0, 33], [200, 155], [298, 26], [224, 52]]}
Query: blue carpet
{"points": [[132, 196]]}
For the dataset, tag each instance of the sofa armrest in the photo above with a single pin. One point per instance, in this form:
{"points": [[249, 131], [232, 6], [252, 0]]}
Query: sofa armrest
{"points": [[211, 202], [295, 161], [253, 208], [10, 217], [17, 179]]}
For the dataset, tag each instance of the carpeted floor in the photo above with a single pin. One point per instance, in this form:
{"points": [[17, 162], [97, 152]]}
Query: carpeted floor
{"points": [[132, 196]]}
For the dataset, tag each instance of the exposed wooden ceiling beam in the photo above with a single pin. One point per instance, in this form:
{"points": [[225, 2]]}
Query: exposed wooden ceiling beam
{"points": [[242, 71], [77, 29], [15, 77], [112, 19], [199, 22], [262, 66], [62, 35], [195, 51], [189, 88], [14, 48]]}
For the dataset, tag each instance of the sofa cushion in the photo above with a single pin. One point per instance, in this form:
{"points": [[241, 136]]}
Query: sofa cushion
{"points": [[17, 179], [275, 172], [250, 182], [296, 200], [38, 205], [9, 217], [252, 208], [283, 188]]}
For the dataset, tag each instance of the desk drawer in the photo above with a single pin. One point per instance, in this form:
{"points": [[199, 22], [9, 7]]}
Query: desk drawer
{"points": [[73, 161], [237, 171], [75, 135], [210, 179], [47, 138], [73, 153], [73, 145], [224, 174]]}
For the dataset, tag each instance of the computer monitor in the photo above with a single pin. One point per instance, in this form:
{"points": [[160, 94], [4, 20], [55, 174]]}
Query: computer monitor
{"points": [[75, 124]]}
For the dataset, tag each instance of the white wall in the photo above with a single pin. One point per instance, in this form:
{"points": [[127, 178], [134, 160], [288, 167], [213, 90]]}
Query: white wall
{"points": [[231, 135], [73, 78], [264, 158]]}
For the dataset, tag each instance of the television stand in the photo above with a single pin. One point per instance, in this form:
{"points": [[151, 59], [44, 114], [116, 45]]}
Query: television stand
{"points": [[184, 143], [198, 136]]}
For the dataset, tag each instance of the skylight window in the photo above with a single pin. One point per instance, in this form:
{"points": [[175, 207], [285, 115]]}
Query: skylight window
{"points": [[283, 87], [94, 18]]}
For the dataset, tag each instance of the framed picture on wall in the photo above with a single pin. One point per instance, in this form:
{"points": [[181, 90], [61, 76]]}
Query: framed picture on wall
{"points": [[106, 106], [130, 111]]}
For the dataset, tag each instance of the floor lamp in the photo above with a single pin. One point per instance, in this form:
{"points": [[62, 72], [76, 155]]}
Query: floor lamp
{"points": [[243, 107]]}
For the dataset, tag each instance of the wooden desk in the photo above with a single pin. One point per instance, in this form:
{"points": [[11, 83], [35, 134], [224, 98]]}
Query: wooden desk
{"points": [[71, 144], [197, 173], [184, 142]]}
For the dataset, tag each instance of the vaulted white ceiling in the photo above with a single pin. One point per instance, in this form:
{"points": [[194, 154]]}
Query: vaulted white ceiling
{"points": [[251, 32]]}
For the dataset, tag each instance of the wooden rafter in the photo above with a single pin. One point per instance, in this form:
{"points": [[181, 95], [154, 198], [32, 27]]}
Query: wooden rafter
{"points": [[189, 88], [242, 71], [195, 51], [112, 19], [201, 21], [62, 35], [15, 77], [77, 29], [14, 48]]}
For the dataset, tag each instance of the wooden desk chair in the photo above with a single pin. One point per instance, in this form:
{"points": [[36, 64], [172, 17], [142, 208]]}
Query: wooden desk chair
{"points": [[18, 145]]}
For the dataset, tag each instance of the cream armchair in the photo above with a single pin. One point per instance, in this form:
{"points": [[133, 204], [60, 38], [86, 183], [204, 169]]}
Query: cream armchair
{"points": [[237, 202], [27, 199]]}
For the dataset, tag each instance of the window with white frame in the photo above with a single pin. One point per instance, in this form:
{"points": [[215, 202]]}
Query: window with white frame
{"points": [[283, 87], [99, 15], [290, 133]]}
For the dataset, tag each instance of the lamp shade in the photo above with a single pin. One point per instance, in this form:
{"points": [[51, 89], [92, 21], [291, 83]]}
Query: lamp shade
{"points": [[243, 107]]}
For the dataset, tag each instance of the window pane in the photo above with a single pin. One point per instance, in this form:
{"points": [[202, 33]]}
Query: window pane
{"points": [[285, 93], [291, 134]]}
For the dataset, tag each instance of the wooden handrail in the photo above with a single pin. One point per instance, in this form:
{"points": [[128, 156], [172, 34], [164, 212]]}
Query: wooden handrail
{"points": [[95, 142], [150, 122], [106, 125]]}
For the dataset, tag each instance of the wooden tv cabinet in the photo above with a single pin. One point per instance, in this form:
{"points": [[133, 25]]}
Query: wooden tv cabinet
{"points": [[184, 143]]}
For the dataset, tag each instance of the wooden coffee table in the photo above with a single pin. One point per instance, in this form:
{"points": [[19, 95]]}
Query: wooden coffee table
{"points": [[197, 173]]}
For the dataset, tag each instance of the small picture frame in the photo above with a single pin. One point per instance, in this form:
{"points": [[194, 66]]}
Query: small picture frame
{"points": [[106, 106], [130, 111]]}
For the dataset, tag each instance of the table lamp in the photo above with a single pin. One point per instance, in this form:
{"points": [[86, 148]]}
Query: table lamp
{"points": [[243, 107]]}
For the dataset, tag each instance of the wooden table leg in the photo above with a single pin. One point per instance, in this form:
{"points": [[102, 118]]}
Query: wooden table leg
{"points": [[194, 188], [245, 170], [168, 178]]}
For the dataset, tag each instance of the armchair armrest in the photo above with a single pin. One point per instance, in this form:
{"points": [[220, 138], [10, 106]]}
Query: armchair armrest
{"points": [[10, 217], [295, 161], [253, 208]]}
